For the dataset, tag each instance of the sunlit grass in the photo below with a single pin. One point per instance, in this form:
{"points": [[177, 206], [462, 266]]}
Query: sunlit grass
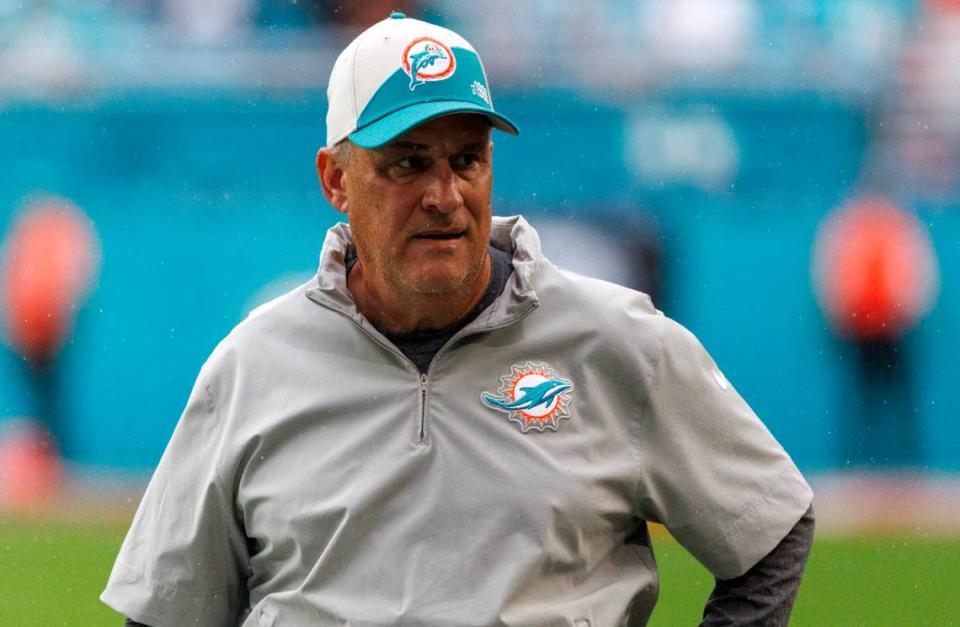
{"points": [[52, 573], [895, 580]]}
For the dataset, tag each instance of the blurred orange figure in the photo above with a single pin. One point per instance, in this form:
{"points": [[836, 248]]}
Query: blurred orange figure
{"points": [[51, 256], [875, 277], [875, 273], [30, 470]]}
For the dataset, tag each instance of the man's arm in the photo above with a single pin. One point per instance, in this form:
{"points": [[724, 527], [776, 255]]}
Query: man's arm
{"points": [[764, 595], [133, 623], [186, 563]]}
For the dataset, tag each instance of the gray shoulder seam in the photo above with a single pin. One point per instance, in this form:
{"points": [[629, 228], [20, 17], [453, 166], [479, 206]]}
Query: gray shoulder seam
{"points": [[228, 495], [637, 431], [211, 403], [214, 410]]}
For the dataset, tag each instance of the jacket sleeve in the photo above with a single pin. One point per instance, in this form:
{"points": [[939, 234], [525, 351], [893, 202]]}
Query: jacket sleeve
{"points": [[764, 595], [184, 560], [710, 470]]}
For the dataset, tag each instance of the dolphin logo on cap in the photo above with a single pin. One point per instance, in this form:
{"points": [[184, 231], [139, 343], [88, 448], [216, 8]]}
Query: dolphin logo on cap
{"points": [[426, 59], [421, 60]]}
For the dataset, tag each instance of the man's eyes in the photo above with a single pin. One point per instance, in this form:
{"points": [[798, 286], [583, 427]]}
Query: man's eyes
{"points": [[412, 163], [417, 163], [465, 160]]}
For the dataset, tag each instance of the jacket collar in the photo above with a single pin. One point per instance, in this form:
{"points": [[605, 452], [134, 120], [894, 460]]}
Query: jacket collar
{"points": [[511, 234]]}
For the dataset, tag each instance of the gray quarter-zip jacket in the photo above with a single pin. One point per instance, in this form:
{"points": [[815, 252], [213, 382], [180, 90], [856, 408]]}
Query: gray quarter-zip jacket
{"points": [[316, 478]]}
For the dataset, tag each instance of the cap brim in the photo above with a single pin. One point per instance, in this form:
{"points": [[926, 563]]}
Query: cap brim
{"points": [[391, 126]]}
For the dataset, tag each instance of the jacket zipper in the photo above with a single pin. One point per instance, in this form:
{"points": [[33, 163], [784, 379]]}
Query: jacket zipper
{"points": [[421, 431], [423, 379]]}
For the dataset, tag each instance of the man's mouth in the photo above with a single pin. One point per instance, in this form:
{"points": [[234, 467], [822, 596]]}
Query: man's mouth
{"points": [[440, 235]]}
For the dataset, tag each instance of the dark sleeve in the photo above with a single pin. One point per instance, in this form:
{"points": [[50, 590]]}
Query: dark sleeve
{"points": [[133, 623], [764, 595]]}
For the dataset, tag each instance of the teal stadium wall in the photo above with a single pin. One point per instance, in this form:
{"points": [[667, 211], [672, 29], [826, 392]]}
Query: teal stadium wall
{"points": [[201, 202]]}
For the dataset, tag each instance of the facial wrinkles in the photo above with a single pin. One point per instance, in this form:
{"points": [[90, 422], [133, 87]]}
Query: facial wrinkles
{"points": [[392, 205], [439, 191]]}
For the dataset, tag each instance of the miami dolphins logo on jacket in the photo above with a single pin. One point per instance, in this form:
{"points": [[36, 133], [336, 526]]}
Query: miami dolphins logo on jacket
{"points": [[426, 59], [533, 395]]}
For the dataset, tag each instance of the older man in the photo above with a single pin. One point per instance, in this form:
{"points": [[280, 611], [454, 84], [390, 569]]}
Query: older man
{"points": [[443, 428]]}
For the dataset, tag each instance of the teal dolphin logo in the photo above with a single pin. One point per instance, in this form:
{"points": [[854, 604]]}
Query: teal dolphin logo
{"points": [[422, 60], [533, 395], [426, 59]]}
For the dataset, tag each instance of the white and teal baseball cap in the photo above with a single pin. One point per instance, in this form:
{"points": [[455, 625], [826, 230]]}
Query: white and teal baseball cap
{"points": [[400, 73]]}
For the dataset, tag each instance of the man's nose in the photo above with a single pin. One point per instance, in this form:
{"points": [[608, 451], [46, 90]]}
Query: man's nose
{"points": [[443, 189]]}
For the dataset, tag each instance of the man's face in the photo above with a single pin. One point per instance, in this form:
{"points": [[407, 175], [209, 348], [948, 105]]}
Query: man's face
{"points": [[419, 207]]}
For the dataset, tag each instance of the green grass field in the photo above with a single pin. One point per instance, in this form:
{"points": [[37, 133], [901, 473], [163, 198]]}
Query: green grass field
{"points": [[895, 580], [51, 573]]}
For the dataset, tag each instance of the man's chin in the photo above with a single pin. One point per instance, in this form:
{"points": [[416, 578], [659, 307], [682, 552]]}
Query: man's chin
{"points": [[436, 286], [442, 281], [437, 275]]}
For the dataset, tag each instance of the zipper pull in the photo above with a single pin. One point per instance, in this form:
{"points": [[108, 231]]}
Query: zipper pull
{"points": [[421, 431]]}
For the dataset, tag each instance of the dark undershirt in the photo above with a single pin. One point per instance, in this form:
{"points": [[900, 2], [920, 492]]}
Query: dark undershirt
{"points": [[764, 595]]}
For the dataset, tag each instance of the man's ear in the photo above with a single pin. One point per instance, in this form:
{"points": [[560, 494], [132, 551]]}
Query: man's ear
{"points": [[330, 172]]}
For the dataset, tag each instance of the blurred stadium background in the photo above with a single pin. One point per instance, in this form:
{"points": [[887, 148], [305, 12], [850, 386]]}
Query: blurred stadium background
{"points": [[783, 178]]}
